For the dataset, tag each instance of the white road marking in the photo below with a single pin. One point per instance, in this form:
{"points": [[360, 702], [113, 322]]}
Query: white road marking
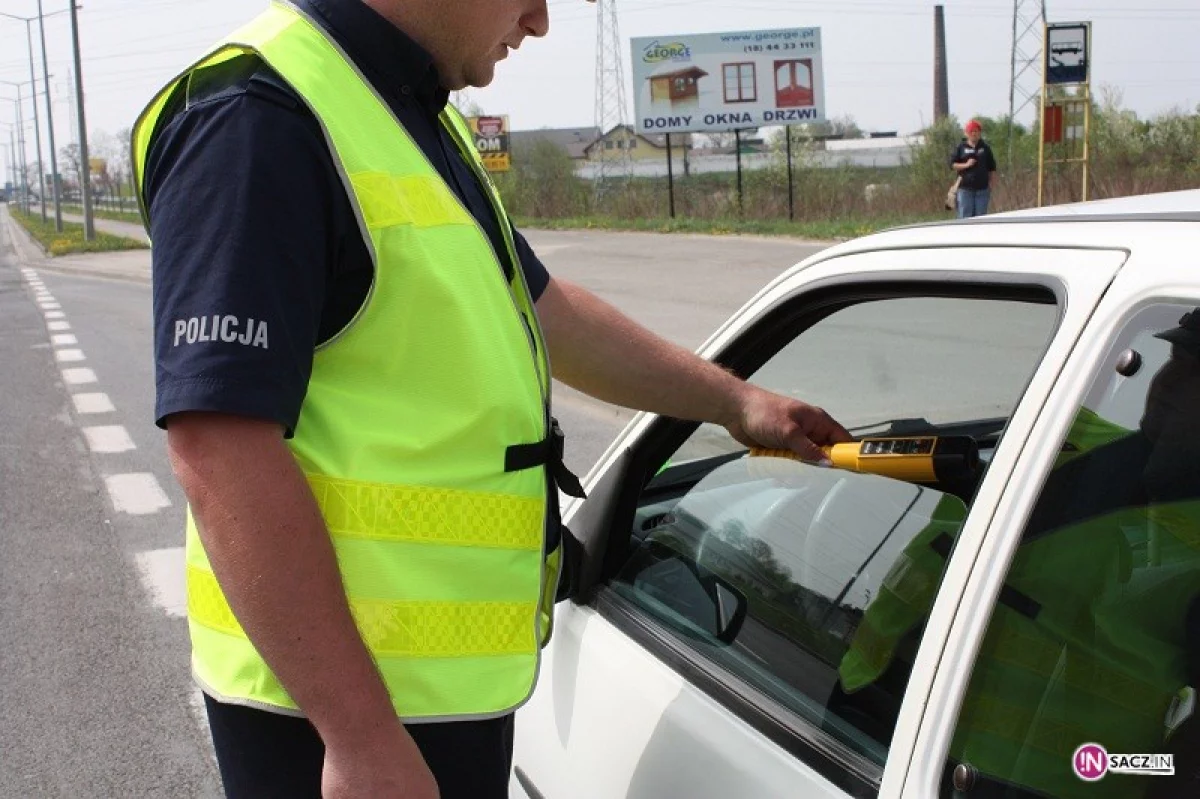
{"points": [[59, 325], [162, 573], [108, 438], [136, 494], [77, 377], [44, 294], [69, 356], [49, 306], [163, 576], [63, 339], [55, 315], [92, 403]]}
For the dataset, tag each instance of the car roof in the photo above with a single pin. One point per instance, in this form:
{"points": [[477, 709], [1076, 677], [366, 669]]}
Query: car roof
{"points": [[1173, 206], [1123, 223]]}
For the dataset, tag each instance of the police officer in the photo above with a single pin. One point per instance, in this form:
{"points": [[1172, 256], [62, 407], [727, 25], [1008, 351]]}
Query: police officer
{"points": [[975, 164], [353, 351]]}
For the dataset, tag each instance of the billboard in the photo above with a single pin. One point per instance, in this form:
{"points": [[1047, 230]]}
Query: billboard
{"points": [[1067, 52], [716, 82], [491, 140]]}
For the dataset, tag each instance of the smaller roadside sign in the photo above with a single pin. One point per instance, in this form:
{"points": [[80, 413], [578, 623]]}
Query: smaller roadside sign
{"points": [[492, 142], [1067, 57]]}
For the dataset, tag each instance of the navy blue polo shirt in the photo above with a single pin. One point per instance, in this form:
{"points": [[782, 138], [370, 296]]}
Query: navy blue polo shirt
{"points": [[258, 257]]}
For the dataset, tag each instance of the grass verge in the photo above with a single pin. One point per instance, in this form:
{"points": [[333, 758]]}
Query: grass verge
{"points": [[132, 217], [823, 230], [71, 239]]}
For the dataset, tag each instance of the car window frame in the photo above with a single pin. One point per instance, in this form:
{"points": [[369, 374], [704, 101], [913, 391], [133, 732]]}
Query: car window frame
{"points": [[761, 341], [951, 677]]}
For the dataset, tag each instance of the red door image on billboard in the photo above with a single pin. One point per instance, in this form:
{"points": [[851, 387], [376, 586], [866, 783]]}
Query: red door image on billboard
{"points": [[794, 83]]}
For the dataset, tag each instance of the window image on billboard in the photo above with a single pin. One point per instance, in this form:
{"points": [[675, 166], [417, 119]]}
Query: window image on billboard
{"points": [[696, 83]]}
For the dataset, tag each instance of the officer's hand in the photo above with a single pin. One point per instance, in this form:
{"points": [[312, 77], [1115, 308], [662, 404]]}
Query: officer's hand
{"points": [[389, 768], [776, 422]]}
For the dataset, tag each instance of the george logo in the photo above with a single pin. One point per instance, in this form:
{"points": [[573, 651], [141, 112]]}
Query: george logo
{"points": [[657, 52], [1091, 762]]}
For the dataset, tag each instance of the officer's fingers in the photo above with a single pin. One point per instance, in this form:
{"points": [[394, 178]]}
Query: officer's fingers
{"points": [[804, 447], [821, 427]]}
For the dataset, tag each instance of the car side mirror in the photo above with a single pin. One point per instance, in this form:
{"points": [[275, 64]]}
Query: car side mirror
{"points": [[697, 602]]}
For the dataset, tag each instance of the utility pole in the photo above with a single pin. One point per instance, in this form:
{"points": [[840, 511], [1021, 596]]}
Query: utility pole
{"points": [[1025, 74], [54, 181], [610, 96], [37, 128], [89, 224], [23, 172]]}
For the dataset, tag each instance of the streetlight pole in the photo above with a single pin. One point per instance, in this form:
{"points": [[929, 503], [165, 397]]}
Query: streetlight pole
{"points": [[49, 110], [89, 224], [58, 223], [23, 171], [37, 126]]}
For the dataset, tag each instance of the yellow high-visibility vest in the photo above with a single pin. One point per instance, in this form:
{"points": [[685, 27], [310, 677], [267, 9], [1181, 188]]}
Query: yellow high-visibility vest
{"points": [[409, 414]]}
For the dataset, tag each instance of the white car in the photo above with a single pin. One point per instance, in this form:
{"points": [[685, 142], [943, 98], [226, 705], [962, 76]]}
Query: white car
{"points": [[1012, 623]]}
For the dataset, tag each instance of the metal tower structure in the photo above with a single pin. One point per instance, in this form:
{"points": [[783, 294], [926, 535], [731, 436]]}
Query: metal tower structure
{"points": [[1025, 83], [610, 96]]}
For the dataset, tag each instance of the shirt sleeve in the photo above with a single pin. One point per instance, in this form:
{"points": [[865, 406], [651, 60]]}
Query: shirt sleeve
{"points": [[537, 276], [991, 159], [239, 194]]}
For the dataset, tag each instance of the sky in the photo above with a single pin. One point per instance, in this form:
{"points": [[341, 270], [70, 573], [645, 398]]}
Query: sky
{"points": [[878, 54]]}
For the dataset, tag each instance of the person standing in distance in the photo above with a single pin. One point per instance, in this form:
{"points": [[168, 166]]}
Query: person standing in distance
{"points": [[975, 164], [354, 357]]}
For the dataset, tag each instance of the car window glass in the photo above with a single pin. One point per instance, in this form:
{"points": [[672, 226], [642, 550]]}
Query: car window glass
{"points": [[785, 575], [1095, 640], [935, 359]]}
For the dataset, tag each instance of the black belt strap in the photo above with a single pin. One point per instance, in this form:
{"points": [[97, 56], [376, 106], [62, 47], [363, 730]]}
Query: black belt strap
{"points": [[549, 453]]}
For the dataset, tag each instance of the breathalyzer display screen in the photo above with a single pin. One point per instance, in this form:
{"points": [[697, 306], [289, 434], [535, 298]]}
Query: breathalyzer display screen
{"points": [[898, 446]]}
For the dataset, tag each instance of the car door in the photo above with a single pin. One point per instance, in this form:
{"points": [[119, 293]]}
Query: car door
{"points": [[718, 647], [1099, 529]]}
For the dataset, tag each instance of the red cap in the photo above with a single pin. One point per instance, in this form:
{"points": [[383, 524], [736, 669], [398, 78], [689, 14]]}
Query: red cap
{"points": [[973, 125]]}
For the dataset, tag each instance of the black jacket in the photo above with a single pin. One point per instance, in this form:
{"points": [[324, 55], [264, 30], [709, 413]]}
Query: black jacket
{"points": [[985, 163]]}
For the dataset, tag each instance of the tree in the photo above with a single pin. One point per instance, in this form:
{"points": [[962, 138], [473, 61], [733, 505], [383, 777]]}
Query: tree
{"points": [[107, 149], [72, 163]]}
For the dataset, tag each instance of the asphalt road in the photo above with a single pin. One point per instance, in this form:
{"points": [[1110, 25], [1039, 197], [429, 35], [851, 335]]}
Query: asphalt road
{"points": [[95, 698]]}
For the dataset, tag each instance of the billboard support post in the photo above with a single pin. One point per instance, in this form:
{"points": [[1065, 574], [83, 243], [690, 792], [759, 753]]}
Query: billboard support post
{"points": [[787, 134], [670, 179], [737, 148]]}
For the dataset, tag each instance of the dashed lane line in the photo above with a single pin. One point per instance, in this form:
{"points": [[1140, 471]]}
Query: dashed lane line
{"points": [[108, 439], [92, 403], [137, 494]]}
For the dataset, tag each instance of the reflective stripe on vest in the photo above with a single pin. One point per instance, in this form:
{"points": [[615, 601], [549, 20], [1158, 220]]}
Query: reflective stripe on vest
{"points": [[406, 422]]}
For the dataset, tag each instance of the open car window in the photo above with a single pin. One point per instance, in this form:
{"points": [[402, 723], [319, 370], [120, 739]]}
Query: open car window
{"points": [[784, 579]]}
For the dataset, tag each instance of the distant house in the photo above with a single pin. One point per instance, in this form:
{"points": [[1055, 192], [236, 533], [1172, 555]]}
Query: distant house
{"points": [[573, 141], [641, 147]]}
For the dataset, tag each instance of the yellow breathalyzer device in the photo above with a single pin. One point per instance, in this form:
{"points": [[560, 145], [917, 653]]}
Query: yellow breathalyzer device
{"points": [[914, 459]]}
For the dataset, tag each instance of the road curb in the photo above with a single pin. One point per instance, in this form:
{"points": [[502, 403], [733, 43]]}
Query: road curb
{"points": [[29, 252]]}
